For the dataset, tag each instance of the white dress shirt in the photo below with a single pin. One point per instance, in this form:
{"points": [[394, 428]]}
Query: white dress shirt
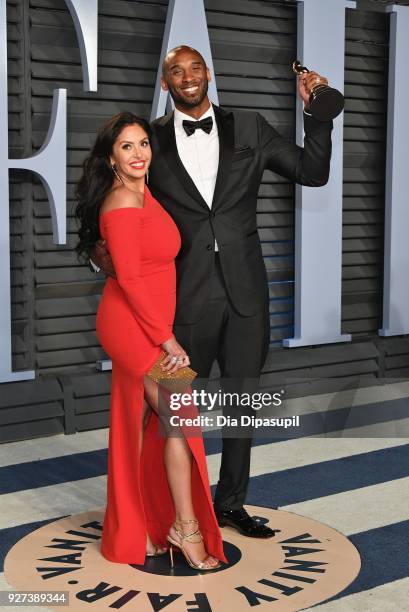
{"points": [[199, 154]]}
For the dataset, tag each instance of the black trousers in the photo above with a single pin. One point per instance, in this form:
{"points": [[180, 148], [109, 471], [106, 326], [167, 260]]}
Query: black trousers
{"points": [[240, 345]]}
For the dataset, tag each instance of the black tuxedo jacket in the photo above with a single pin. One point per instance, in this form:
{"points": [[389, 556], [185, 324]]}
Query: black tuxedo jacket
{"points": [[248, 145]]}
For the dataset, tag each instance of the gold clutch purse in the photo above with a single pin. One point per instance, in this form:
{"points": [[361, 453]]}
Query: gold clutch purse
{"points": [[176, 382]]}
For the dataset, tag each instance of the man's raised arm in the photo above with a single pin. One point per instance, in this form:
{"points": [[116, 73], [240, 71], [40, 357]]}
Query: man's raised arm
{"points": [[308, 165]]}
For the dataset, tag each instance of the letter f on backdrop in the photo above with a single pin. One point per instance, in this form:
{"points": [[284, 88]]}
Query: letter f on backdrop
{"points": [[48, 163]]}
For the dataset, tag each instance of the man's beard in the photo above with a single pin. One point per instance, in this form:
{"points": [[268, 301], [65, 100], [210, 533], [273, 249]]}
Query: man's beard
{"points": [[192, 102]]}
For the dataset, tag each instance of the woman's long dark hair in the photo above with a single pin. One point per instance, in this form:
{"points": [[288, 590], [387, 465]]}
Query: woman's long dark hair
{"points": [[97, 178]]}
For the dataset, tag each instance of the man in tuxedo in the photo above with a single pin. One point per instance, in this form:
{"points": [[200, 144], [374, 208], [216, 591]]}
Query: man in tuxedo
{"points": [[206, 171]]}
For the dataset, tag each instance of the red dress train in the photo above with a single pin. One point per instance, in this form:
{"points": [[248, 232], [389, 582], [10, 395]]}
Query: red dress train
{"points": [[135, 316]]}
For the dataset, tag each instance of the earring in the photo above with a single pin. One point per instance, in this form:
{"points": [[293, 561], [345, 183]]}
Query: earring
{"points": [[116, 173], [147, 176]]}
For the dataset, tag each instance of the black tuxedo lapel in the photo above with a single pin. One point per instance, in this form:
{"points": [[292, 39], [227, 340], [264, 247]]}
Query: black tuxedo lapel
{"points": [[225, 127], [167, 143]]}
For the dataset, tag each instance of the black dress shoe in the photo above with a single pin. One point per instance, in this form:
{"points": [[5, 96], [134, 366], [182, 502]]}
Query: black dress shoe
{"points": [[245, 524]]}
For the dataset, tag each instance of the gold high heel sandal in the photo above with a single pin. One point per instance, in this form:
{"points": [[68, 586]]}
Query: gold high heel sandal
{"points": [[188, 537]]}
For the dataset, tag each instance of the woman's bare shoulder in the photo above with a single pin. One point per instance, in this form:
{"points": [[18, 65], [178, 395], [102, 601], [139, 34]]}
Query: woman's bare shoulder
{"points": [[121, 197]]}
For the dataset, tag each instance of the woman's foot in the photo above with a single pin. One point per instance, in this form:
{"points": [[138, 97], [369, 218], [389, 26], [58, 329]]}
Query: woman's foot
{"points": [[195, 549], [152, 550]]}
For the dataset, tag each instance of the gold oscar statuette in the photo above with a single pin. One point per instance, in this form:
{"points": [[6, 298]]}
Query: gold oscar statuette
{"points": [[326, 103]]}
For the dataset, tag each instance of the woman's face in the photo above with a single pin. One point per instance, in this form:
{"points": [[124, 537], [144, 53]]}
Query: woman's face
{"points": [[131, 154]]}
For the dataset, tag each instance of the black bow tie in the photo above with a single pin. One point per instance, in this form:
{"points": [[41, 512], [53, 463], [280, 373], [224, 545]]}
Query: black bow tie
{"points": [[191, 126]]}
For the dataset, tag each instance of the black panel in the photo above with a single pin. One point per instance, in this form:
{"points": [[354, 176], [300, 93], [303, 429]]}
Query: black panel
{"points": [[366, 74]]}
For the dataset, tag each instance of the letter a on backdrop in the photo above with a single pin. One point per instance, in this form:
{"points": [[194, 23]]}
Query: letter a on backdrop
{"points": [[185, 25], [85, 18]]}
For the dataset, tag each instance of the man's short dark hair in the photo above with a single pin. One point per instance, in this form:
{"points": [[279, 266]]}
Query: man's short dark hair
{"points": [[176, 50]]}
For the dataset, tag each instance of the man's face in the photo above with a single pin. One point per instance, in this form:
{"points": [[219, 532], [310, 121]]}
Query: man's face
{"points": [[186, 78]]}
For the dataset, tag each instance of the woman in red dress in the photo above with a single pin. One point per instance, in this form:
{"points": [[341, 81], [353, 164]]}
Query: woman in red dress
{"points": [[158, 492]]}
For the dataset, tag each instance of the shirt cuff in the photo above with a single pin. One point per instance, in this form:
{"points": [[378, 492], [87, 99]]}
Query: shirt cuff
{"points": [[93, 266], [307, 113]]}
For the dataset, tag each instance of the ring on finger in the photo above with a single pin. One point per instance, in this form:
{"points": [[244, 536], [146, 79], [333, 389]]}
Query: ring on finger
{"points": [[174, 359]]}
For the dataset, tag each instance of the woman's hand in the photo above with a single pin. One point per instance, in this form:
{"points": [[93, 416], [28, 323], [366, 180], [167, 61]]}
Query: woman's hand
{"points": [[176, 357], [101, 257]]}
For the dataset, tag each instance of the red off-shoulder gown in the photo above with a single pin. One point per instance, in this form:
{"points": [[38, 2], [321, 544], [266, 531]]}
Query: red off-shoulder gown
{"points": [[135, 316]]}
